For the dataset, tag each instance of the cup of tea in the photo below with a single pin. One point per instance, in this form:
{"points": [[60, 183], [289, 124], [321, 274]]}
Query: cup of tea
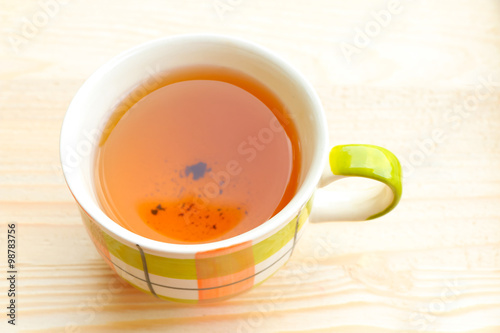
{"points": [[197, 160]]}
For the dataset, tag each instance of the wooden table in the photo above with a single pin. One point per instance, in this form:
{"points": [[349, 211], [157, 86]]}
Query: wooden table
{"points": [[421, 78]]}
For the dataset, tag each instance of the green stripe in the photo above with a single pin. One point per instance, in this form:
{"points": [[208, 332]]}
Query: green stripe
{"points": [[123, 252], [166, 267], [304, 214], [171, 268], [271, 245]]}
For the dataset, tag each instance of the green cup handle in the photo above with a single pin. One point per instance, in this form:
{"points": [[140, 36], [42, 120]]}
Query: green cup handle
{"points": [[365, 161]]}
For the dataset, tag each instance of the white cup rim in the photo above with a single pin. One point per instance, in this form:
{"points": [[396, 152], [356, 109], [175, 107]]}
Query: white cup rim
{"points": [[269, 227]]}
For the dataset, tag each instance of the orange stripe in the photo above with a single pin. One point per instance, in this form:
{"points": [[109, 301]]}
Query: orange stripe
{"points": [[225, 267]]}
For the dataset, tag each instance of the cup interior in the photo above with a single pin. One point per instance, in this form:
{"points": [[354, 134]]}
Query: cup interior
{"points": [[105, 89]]}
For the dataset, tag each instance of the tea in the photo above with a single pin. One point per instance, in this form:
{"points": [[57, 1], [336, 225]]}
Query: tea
{"points": [[201, 154]]}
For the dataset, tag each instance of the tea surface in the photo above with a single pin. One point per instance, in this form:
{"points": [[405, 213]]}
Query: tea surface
{"points": [[207, 155]]}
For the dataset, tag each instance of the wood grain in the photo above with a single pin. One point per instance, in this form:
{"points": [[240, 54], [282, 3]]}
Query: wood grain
{"points": [[433, 265]]}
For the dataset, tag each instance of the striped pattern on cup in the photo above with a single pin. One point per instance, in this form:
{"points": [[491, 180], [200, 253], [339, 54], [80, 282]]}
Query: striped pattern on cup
{"points": [[202, 277]]}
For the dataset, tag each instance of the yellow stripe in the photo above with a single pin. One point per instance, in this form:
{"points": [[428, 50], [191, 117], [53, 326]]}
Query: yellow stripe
{"points": [[271, 245], [123, 252], [171, 268], [166, 267]]}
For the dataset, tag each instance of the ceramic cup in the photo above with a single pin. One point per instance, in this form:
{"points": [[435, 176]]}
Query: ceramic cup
{"points": [[218, 270]]}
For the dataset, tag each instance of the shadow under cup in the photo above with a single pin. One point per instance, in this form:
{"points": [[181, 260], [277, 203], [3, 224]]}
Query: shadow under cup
{"points": [[198, 272]]}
